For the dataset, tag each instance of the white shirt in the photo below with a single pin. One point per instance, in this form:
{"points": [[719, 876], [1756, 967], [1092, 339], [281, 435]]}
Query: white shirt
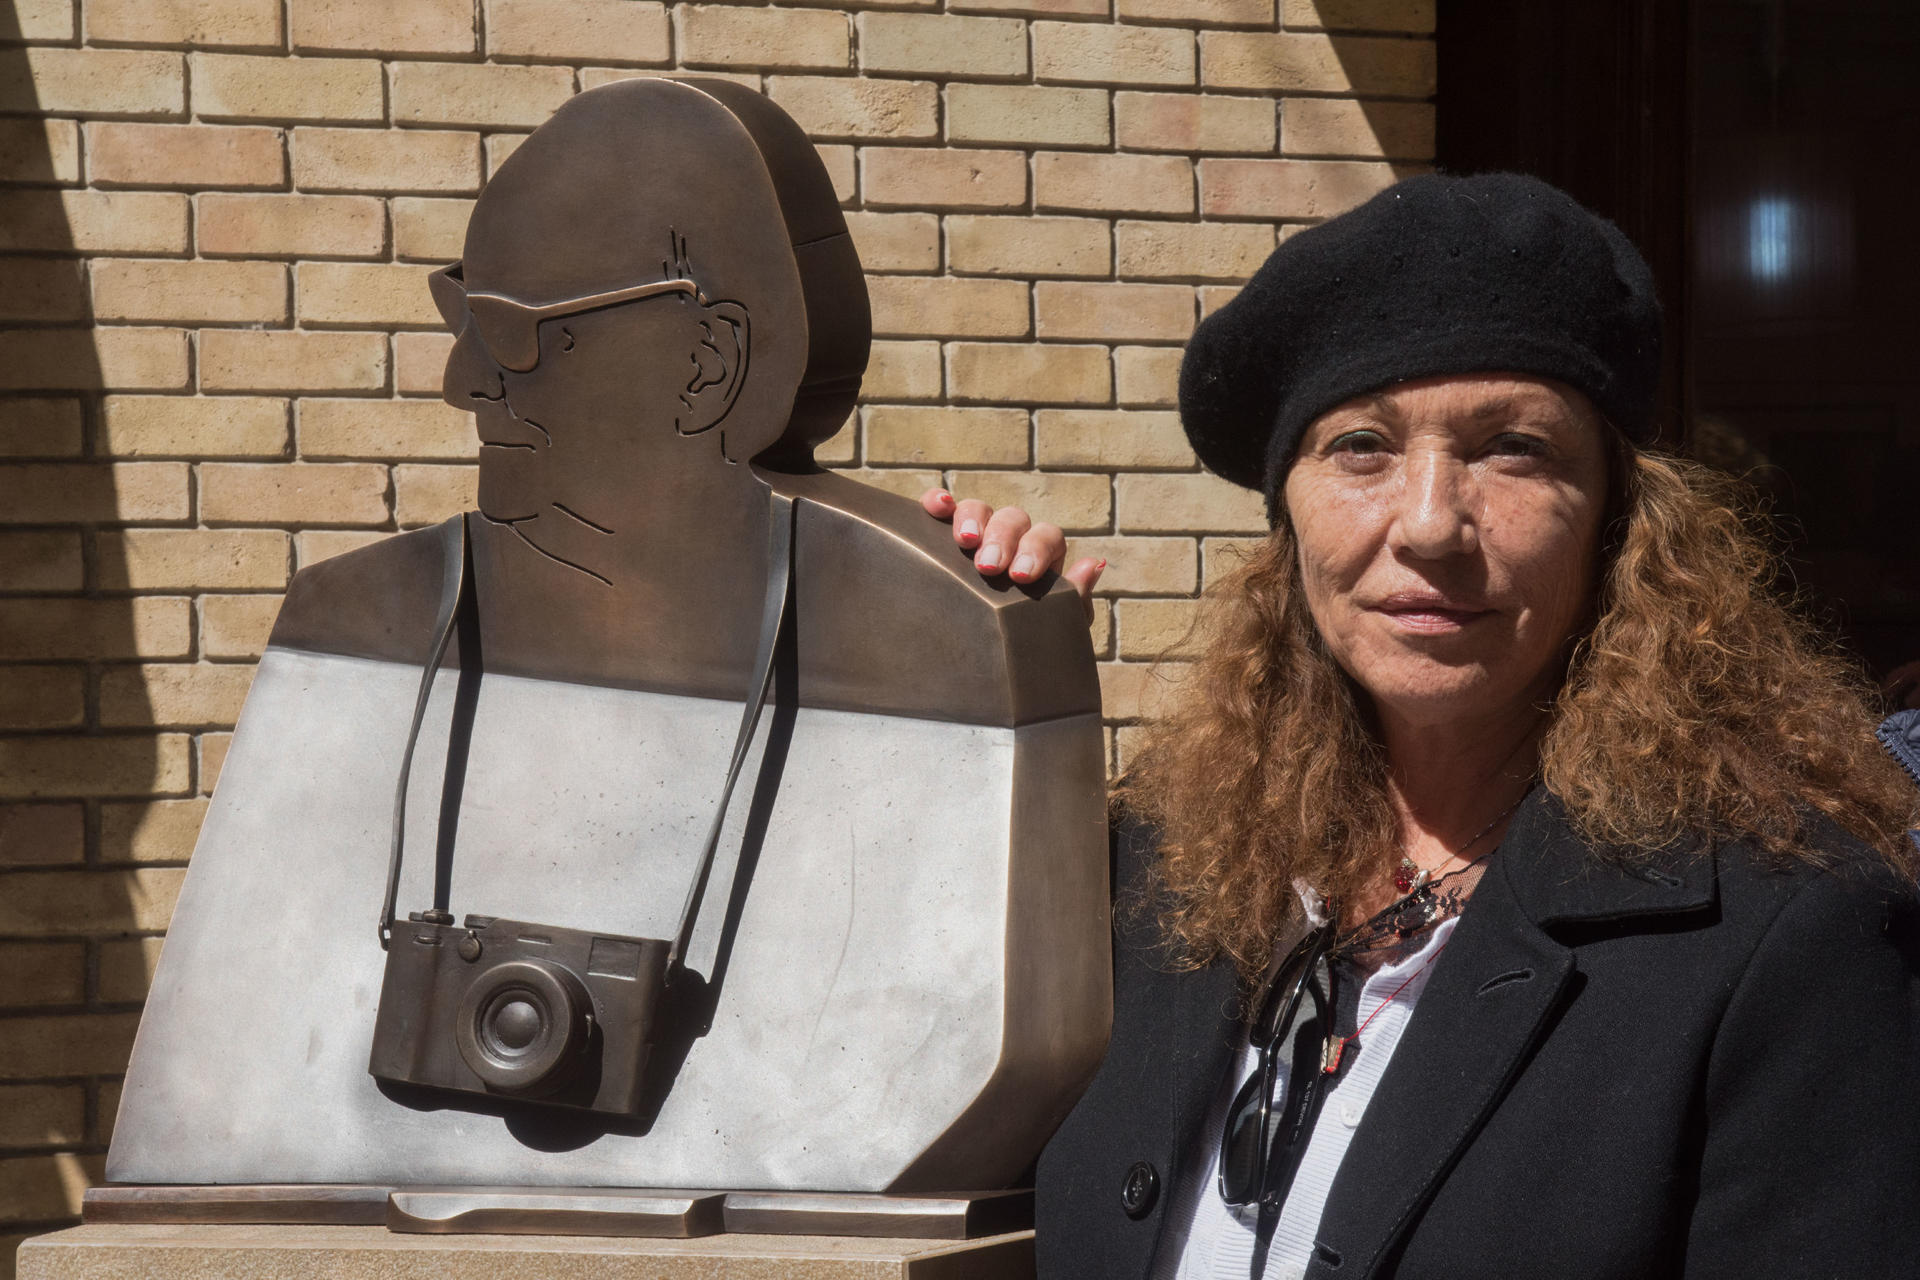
{"points": [[1206, 1240]]}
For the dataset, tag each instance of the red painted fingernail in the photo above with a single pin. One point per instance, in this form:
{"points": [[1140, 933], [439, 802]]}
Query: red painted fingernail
{"points": [[1101, 565]]}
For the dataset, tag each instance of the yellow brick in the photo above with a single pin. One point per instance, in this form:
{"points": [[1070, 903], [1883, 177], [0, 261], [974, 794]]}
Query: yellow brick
{"points": [[931, 306], [499, 147], [39, 150], [93, 221], [1113, 312], [1215, 296], [1109, 54], [1288, 188], [1338, 127], [293, 493], [387, 161], [1019, 373], [903, 371], [386, 429], [37, 20], [236, 626], [193, 426], [1146, 375], [239, 87], [1188, 503], [121, 153], [39, 903], [389, 26], [40, 560], [952, 178], [1029, 115], [465, 94], [578, 30], [1413, 16], [311, 546], [1191, 251], [190, 292], [842, 162], [66, 767], [939, 436], [194, 22], [1035, 8], [240, 360], [427, 495], [107, 1107], [722, 36], [150, 831], [67, 1045], [1222, 556], [1100, 631], [47, 1186], [847, 107], [43, 973], [1229, 13], [96, 82], [838, 450], [38, 835], [1120, 183], [43, 1115], [428, 230], [1028, 246], [41, 427], [42, 698], [1139, 565], [93, 493], [1151, 630], [193, 559], [1110, 439], [937, 44], [174, 694], [388, 294], [1193, 122], [44, 290], [419, 362], [594, 77], [126, 969], [896, 241], [1294, 62], [1077, 503], [75, 630], [213, 754], [78, 359], [1131, 691], [289, 226]]}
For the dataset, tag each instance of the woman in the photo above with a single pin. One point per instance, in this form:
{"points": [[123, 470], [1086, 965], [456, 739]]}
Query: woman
{"points": [[1518, 890]]}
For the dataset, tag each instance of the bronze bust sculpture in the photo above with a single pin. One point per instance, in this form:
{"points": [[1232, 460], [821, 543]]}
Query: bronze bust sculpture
{"points": [[659, 314]]}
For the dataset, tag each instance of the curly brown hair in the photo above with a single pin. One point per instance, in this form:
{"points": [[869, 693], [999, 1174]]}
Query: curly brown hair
{"points": [[1697, 702]]}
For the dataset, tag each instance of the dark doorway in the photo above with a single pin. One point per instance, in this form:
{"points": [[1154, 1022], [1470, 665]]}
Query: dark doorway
{"points": [[1765, 154]]}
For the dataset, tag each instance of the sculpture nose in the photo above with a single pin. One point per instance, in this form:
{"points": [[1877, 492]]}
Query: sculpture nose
{"points": [[470, 372]]}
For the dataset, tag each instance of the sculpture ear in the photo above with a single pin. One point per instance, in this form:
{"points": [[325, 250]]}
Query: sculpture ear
{"points": [[719, 367]]}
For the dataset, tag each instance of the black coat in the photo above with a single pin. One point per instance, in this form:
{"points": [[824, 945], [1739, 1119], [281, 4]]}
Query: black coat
{"points": [[1700, 1068]]}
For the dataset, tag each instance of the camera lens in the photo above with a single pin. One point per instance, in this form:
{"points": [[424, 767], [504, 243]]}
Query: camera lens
{"points": [[522, 1026]]}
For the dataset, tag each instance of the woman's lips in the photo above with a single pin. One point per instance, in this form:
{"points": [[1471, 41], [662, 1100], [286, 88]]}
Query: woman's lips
{"points": [[1430, 617]]}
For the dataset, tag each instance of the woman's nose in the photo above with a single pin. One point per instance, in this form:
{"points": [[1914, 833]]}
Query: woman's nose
{"points": [[470, 372], [1436, 516]]}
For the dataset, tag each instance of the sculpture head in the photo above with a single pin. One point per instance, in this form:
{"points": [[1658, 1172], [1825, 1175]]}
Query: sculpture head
{"points": [[657, 282]]}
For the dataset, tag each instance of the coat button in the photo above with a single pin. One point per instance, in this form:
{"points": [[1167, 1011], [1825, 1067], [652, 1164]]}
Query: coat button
{"points": [[1140, 1190]]}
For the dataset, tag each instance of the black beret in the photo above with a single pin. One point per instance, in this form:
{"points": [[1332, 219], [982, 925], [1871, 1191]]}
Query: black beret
{"points": [[1497, 272]]}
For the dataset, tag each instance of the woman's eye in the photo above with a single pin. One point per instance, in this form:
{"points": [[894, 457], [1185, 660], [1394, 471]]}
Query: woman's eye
{"points": [[1513, 444], [1360, 442]]}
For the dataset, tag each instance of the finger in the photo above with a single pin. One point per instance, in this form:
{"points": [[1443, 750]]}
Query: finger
{"points": [[1003, 533], [1042, 549], [938, 503], [970, 516], [1083, 575]]}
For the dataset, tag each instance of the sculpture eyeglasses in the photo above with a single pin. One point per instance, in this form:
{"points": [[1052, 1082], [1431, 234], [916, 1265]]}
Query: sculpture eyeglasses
{"points": [[510, 329]]}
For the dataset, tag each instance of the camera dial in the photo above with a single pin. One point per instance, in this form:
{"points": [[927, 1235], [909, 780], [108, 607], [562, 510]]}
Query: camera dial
{"points": [[523, 1025]]}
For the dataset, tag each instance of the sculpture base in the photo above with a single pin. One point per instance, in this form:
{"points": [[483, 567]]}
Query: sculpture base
{"points": [[157, 1252]]}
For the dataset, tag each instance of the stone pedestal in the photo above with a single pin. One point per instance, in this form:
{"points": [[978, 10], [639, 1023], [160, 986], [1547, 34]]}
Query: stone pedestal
{"points": [[110, 1252]]}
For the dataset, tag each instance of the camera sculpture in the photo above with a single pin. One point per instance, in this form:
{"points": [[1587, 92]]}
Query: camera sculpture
{"points": [[793, 824]]}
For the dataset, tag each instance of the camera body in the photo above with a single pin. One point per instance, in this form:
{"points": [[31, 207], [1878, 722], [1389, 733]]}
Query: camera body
{"points": [[529, 1012]]}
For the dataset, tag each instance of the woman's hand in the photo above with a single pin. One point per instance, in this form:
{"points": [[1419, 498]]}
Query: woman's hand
{"points": [[1008, 541]]}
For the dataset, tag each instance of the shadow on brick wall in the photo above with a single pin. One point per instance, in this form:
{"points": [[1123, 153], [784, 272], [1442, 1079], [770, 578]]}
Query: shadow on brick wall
{"points": [[77, 920]]}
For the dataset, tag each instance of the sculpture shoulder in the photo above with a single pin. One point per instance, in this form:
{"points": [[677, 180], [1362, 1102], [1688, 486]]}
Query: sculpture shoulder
{"points": [[926, 621], [379, 601]]}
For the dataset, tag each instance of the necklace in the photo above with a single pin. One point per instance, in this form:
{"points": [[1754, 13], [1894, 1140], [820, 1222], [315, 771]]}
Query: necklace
{"points": [[1410, 876], [1422, 902]]}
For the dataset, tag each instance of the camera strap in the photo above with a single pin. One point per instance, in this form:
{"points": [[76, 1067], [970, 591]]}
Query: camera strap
{"points": [[457, 584]]}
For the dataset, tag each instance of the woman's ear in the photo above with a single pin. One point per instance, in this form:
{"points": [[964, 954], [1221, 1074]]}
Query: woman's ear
{"points": [[719, 367]]}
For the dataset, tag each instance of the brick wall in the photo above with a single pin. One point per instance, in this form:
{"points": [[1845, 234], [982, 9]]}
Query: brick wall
{"points": [[220, 361]]}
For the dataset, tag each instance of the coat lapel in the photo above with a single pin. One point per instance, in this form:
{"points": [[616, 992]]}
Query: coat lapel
{"points": [[1490, 1000]]}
